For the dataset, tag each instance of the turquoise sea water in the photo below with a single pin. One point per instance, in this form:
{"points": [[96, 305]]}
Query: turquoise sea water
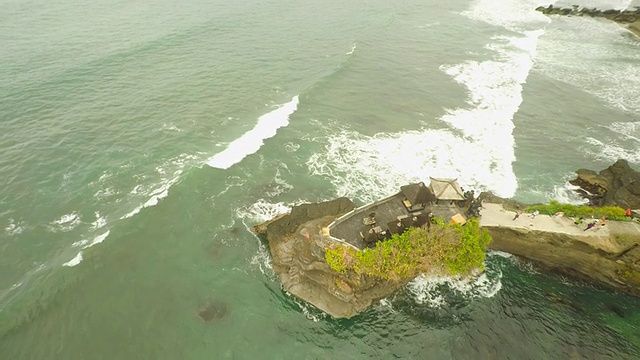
{"points": [[139, 142]]}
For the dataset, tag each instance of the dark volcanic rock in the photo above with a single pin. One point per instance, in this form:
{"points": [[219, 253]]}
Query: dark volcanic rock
{"points": [[617, 185]]}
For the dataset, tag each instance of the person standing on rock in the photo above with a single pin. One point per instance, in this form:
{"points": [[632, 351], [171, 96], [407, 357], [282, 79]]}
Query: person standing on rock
{"points": [[628, 212]]}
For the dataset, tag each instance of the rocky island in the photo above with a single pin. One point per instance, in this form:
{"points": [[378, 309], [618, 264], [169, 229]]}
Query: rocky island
{"points": [[323, 252]]}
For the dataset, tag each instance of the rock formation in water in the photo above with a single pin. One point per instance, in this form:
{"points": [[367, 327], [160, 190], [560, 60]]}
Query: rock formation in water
{"points": [[608, 258], [212, 310], [617, 185], [297, 249], [612, 260]]}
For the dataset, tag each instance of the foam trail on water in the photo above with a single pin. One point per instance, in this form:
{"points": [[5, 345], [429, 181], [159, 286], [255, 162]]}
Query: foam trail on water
{"points": [[353, 49], [251, 141], [158, 194]]}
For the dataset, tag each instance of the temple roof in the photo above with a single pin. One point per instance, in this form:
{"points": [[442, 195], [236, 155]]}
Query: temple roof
{"points": [[417, 193], [446, 189]]}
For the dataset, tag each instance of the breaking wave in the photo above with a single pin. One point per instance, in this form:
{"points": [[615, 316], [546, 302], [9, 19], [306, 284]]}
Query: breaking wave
{"points": [[262, 210], [478, 148], [437, 291], [252, 141], [591, 55]]}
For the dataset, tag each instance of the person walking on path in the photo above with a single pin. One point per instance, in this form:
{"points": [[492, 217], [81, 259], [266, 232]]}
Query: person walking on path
{"points": [[518, 213]]}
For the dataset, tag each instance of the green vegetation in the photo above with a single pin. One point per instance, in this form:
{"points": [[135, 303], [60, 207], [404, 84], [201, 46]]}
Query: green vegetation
{"points": [[611, 212], [448, 248]]}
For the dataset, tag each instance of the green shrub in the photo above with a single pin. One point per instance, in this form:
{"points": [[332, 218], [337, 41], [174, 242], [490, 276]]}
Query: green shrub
{"points": [[469, 252], [611, 212], [445, 248]]}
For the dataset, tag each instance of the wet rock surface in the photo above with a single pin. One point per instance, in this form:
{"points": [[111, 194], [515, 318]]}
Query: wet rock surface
{"points": [[617, 185]]}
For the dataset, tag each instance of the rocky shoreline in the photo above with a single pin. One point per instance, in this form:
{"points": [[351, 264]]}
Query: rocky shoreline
{"points": [[629, 19], [608, 257]]}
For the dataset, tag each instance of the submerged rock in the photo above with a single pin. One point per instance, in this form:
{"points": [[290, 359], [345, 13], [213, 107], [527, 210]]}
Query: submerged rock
{"points": [[213, 310]]}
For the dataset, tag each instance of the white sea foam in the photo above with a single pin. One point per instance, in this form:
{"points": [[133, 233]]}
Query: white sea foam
{"points": [[353, 49], [170, 127], [514, 15], [66, 222], [156, 194], [592, 55], [386, 304], [291, 147], [482, 157], [262, 260], [501, 254], [99, 222], [66, 219], [279, 185], [105, 175], [253, 140], [15, 227], [566, 194], [612, 152], [105, 193], [434, 290], [75, 261], [96, 240], [309, 312], [627, 130], [262, 210]]}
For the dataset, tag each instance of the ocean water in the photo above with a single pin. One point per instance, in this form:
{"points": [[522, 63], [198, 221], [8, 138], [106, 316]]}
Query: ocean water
{"points": [[140, 141]]}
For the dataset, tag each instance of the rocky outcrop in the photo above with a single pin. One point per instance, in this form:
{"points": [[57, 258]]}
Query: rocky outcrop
{"points": [[620, 16], [609, 257], [616, 266], [629, 19], [617, 185], [297, 245]]}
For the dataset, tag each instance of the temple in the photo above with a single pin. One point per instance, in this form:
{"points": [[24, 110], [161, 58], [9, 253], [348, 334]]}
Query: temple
{"points": [[414, 206]]}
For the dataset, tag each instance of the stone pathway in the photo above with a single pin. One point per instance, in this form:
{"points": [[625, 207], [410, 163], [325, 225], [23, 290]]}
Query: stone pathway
{"points": [[494, 215]]}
